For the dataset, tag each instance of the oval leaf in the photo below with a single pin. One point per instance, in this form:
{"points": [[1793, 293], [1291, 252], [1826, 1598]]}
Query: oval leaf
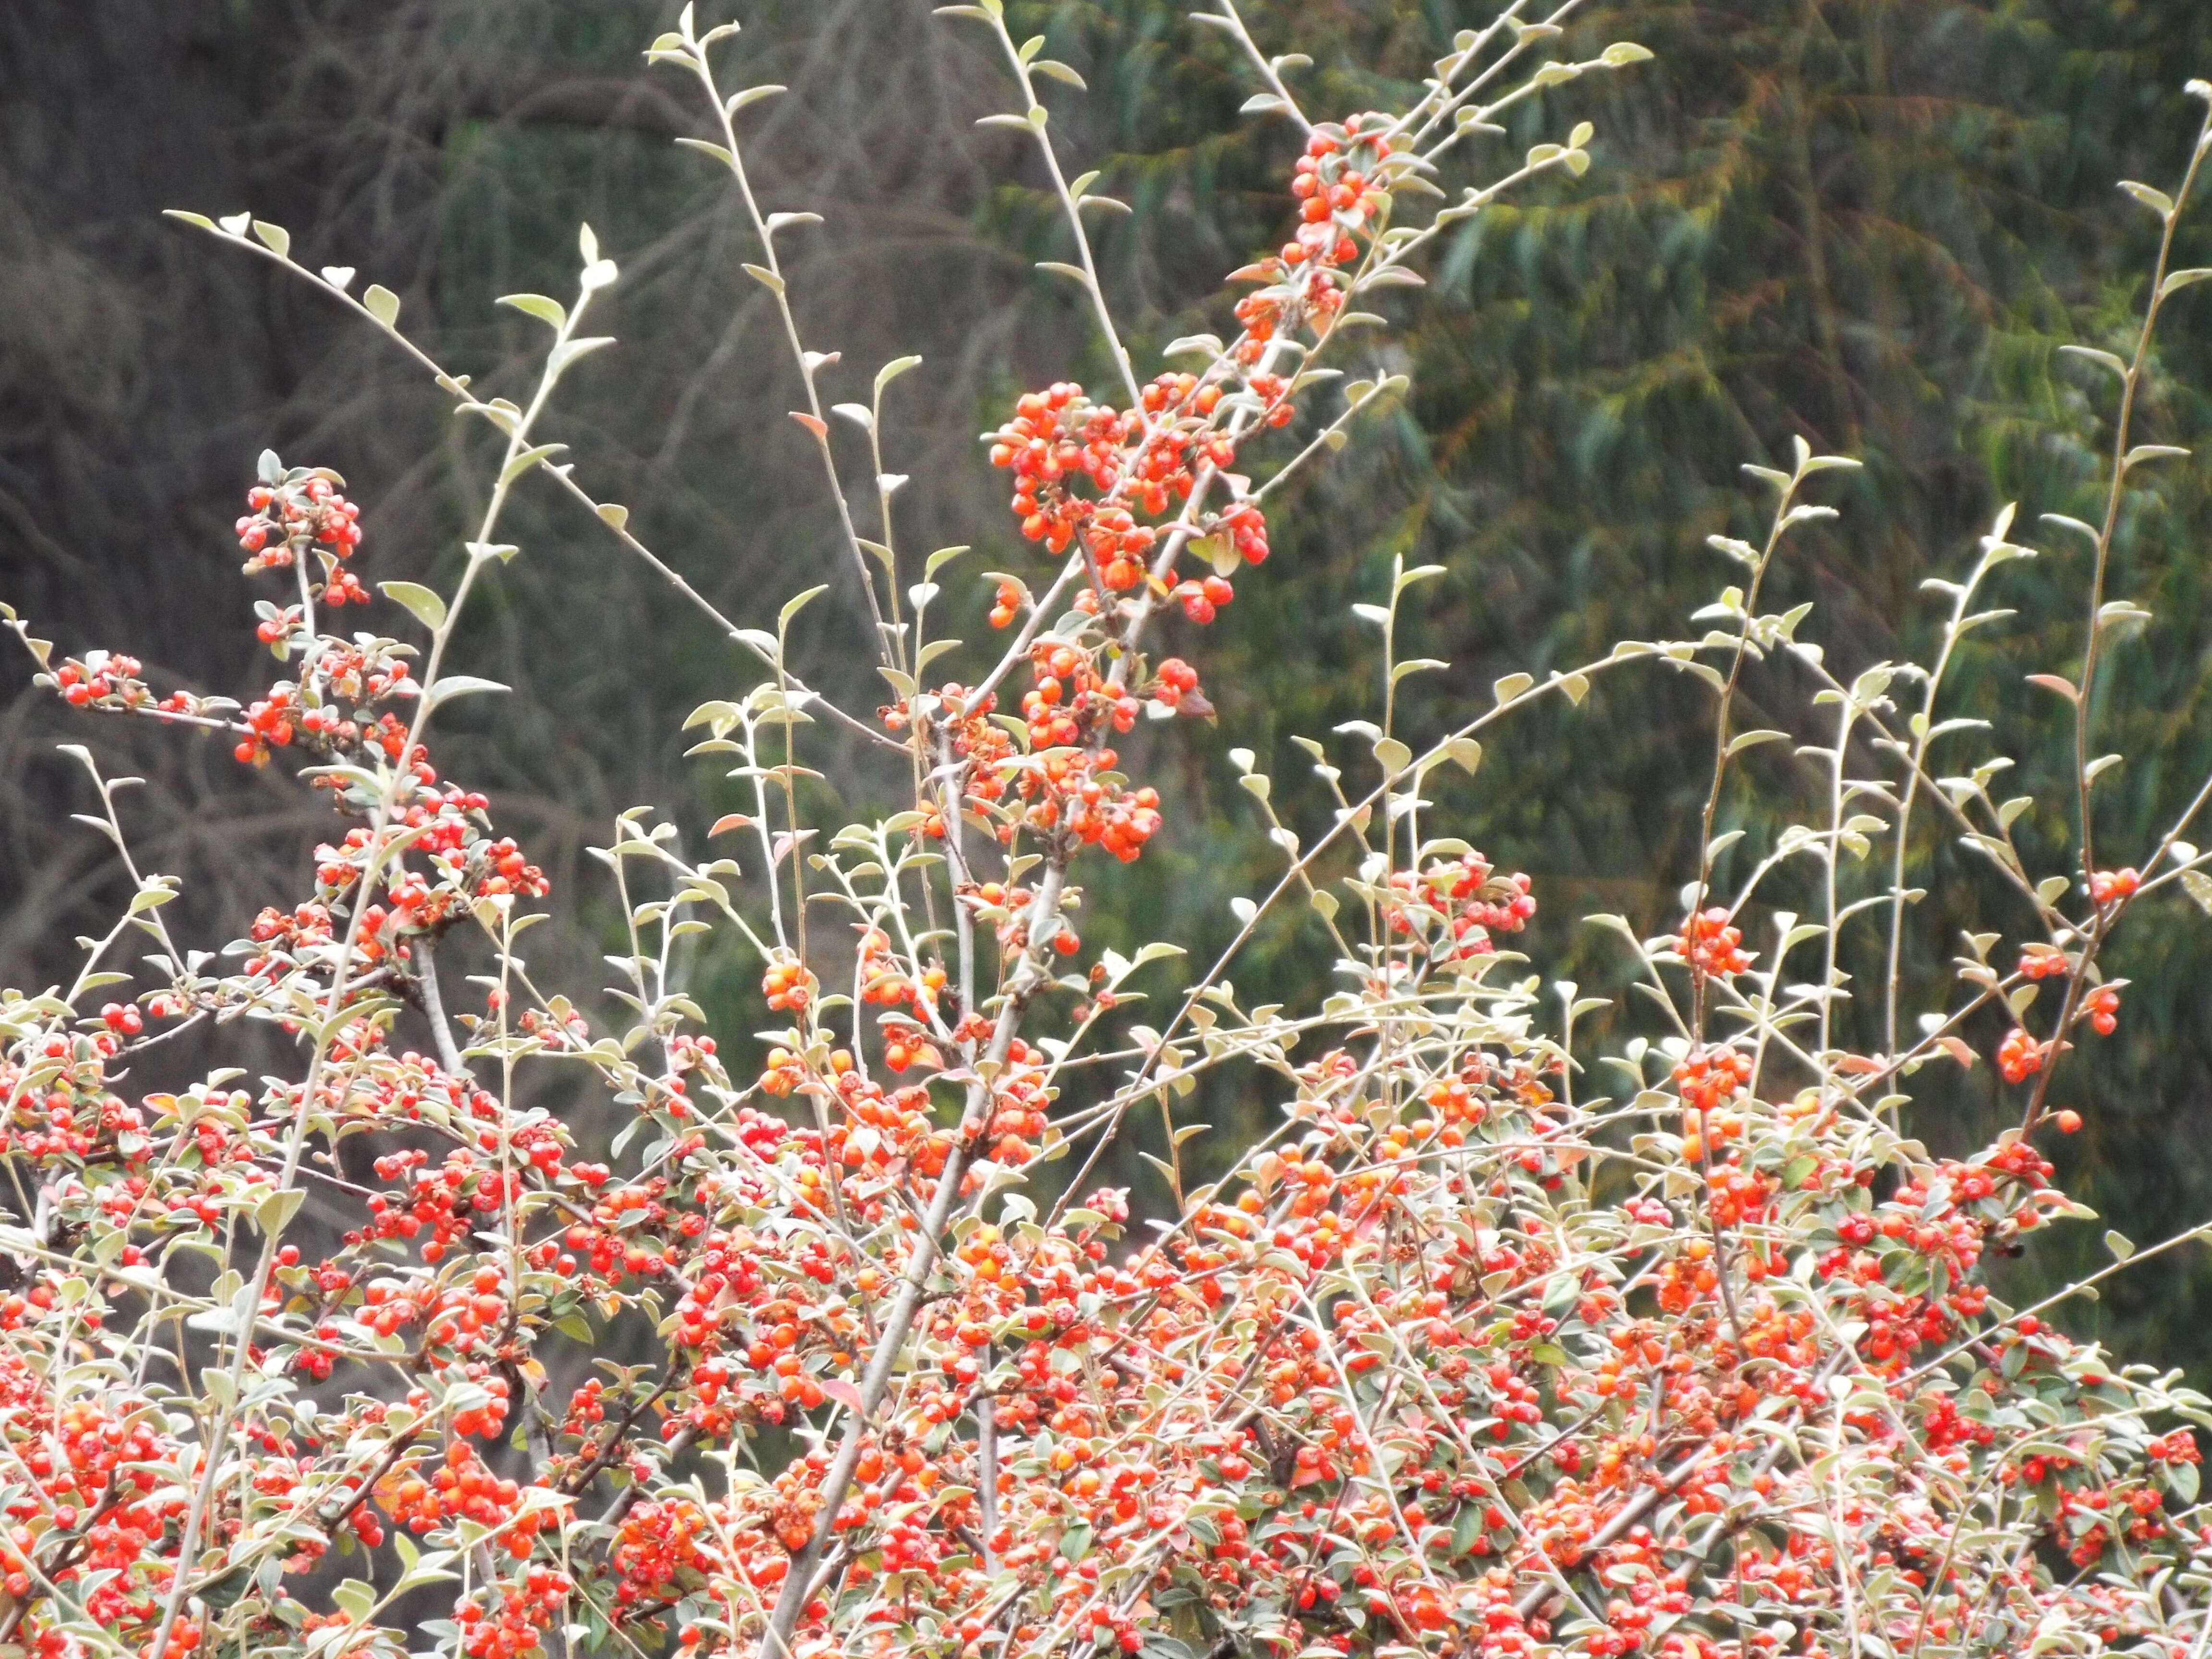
{"points": [[425, 605], [550, 312]]}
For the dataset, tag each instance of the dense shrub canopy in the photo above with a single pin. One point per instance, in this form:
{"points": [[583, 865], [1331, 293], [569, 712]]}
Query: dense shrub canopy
{"points": [[1496, 1341]]}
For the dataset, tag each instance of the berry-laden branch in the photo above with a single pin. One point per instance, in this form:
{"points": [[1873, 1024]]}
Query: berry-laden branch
{"points": [[1455, 1358]]}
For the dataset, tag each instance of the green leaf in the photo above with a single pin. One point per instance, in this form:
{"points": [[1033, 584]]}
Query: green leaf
{"points": [[796, 604], [568, 350], [382, 303], [355, 1598], [277, 239], [1744, 740], [2143, 453], [273, 1213], [459, 685], [1467, 1527], [427, 607], [2198, 886], [714, 150], [2102, 359], [550, 312], [892, 370], [2156, 200], [527, 459]]}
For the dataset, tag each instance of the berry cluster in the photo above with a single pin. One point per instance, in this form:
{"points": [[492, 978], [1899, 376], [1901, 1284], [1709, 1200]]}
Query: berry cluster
{"points": [[1147, 462], [2019, 1056], [293, 513], [2102, 1008], [511, 1621], [2113, 886], [1713, 945], [101, 678], [1710, 1077], [1053, 437], [1337, 184], [459, 1485], [1455, 908]]}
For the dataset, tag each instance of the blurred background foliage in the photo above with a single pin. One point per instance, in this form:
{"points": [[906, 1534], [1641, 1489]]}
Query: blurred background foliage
{"points": [[1869, 222]]}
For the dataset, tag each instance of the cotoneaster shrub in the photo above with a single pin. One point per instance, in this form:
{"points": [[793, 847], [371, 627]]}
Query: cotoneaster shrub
{"points": [[1490, 1348]]}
